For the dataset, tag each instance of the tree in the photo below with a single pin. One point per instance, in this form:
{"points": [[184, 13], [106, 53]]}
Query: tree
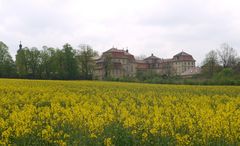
{"points": [[236, 68], [141, 57], [168, 69], [47, 66], [58, 71], [227, 55], [69, 64], [107, 65], [224, 74], [28, 62], [86, 61], [7, 67], [210, 64], [33, 58], [22, 62]]}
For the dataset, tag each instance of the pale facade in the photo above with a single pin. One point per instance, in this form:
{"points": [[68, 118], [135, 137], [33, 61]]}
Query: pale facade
{"points": [[117, 63], [182, 62]]}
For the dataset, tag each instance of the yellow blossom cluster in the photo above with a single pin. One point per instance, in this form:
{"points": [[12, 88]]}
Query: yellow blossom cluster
{"points": [[36, 112]]}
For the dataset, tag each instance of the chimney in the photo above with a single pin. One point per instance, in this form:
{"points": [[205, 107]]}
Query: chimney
{"points": [[127, 50], [152, 54]]}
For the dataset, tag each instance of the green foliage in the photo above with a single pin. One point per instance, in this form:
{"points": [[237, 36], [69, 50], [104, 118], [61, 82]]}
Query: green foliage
{"points": [[33, 57], [47, 66], [219, 67], [146, 75], [86, 61], [210, 64], [226, 73], [50, 63], [22, 63], [69, 63], [7, 66]]}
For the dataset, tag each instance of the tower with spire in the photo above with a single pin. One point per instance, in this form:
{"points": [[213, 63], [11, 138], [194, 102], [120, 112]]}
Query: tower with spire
{"points": [[20, 45]]}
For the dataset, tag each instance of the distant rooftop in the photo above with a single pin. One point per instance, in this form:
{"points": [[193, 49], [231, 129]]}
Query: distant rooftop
{"points": [[182, 54], [118, 50], [151, 57]]}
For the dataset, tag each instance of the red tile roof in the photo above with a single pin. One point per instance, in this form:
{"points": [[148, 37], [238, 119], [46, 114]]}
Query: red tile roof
{"points": [[116, 53]]}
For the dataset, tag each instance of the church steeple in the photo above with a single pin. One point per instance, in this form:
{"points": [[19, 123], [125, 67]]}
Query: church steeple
{"points": [[20, 46]]}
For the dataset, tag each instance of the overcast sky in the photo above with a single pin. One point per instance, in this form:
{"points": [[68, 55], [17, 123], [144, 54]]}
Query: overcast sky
{"points": [[161, 27]]}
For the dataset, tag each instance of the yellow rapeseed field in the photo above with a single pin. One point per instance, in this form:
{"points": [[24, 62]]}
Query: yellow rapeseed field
{"points": [[107, 113]]}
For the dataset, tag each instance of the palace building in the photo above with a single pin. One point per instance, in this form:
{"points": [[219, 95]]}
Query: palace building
{"points": [[117, 63]]}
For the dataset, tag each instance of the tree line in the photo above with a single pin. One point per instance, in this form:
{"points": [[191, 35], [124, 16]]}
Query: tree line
{"points": [[220, 65], [48, 63], [222, 61]]}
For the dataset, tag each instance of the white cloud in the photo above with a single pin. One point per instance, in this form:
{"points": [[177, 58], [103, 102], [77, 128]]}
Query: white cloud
{"points": [[154, 26]]}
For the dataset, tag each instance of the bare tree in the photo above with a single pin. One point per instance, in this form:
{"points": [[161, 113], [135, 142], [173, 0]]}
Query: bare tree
{"points": [[227, 55], [141, 57], [169, 69], [86, 62], [107, 65], [211, 63]]}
